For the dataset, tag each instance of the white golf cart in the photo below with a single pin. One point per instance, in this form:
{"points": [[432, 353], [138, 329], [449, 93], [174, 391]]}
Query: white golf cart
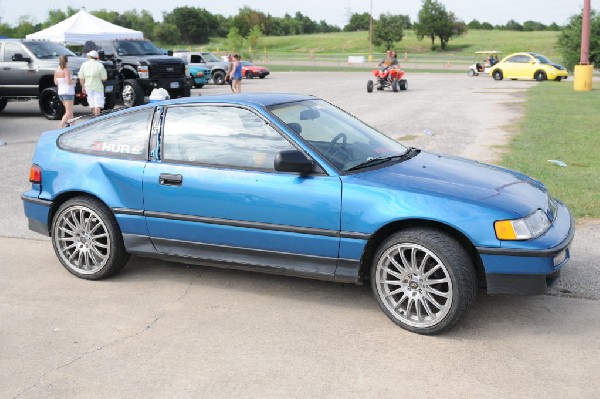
{"points": [[482, 62]]}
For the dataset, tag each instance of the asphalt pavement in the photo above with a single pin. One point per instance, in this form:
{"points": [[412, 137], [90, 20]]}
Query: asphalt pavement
{"points": [[161, 329]]}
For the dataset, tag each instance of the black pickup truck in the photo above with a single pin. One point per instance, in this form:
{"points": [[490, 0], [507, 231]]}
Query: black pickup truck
{"points": [[27, 72], [142, 68]]}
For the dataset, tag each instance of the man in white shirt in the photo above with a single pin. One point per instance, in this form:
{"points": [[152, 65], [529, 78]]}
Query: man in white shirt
{"points": [[91, 76]]}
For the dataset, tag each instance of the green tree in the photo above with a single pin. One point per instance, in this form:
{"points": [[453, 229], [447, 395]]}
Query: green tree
{"points": [[358, 22], [166, 33], [195, 25], [6, 30], [254, 40], [531, 26], [246, 19], [387, 30], [569, 41], [25, 27], [142, 21], [487, 26], [434, 21], [110, 16], [474, 24], [55, 16], [235, 41]]}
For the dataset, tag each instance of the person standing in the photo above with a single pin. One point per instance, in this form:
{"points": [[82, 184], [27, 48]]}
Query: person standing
{"points": [[229, 74], [66, 88], [237, 74], [91, 76]]}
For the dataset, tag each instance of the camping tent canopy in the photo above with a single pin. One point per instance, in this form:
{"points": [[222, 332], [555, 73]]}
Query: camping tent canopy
{"points": [[82, 27]]}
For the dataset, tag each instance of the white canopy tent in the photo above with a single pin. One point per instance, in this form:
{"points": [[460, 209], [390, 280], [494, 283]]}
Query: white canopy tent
{"points": [[82, 27]]}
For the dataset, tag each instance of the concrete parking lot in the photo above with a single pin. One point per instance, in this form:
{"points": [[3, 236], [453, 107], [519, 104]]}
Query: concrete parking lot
{"points": [[161, 329]]}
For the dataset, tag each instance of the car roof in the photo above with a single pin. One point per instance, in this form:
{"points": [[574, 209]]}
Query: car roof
{"points": [[260, 99]]}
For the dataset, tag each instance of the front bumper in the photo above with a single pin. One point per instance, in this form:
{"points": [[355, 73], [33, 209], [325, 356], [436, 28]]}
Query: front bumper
{"points": [[169, 84], [522, 271]]}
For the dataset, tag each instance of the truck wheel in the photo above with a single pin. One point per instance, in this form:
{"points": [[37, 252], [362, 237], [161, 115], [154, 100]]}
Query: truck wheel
{"points": [[219, 77], [110, 100], [50, 104], [132, 94], [3, 102]]}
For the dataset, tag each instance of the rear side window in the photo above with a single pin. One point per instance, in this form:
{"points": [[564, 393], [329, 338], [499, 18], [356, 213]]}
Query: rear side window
{"points": [[124, 136], [220, 136]]}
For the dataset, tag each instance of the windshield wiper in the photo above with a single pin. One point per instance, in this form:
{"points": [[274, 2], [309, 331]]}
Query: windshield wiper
{"points": [[372, 161]]}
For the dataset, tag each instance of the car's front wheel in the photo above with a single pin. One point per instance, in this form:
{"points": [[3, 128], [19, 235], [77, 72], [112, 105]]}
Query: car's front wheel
{"points": [[424, 280], [87, 239], [497, 74], [219, 77]]}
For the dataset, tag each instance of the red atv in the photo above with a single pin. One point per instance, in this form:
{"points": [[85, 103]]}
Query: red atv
{"points": [[388, 77]]}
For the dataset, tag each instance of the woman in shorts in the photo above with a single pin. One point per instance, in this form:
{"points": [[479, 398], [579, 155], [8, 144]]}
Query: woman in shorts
{"points": [[236, 83], [66, 88]]}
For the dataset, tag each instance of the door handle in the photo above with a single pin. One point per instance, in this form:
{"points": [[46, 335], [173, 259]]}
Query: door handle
{"points": [[168, 179]]}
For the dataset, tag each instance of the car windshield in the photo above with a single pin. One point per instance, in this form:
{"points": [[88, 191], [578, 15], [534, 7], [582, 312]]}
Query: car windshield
{"points": [[136, 47], [541, 58], [48, 49], [346, 142], [210, 57]]}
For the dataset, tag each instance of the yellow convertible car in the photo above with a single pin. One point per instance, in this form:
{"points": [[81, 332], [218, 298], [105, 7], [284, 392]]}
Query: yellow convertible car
{"points": [[528, 66]]}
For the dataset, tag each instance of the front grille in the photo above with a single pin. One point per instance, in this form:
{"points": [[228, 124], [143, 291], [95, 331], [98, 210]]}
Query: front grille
{"points": [[167, 71]]}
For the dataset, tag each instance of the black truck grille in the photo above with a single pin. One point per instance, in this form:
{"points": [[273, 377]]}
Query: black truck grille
{"points": [[167, 71]]}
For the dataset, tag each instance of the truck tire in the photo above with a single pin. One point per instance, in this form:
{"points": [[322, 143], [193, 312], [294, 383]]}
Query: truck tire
{"points": [[132, 93], [219, 77], [3, 102], [50, 104]]}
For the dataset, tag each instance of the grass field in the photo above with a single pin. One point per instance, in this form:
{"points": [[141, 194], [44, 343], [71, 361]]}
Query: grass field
{"points": [[561, 124], [357, 43]]}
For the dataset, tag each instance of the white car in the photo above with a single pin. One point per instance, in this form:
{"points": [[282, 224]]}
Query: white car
{"points": [[482, 62]]}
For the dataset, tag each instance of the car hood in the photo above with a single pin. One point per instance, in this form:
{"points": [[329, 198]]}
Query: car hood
{"points": [[462, 179], [152, 59]]}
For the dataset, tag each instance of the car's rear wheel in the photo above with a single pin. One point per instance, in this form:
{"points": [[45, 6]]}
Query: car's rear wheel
{"points": [[424, 280], [370, 86], [50, 104], [132, 93], [87, 240], [539, 76], [249, 75], [497, 74]]}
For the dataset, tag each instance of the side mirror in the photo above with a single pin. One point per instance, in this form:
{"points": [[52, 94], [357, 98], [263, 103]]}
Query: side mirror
{"points": [[293, 161], [18, 57]]}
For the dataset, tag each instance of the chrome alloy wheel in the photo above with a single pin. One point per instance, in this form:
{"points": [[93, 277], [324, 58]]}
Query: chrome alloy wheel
{"points": [[82, 240], [414, 285]]}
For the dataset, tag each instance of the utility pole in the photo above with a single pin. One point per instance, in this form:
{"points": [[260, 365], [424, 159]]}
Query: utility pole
{"points": [[583, 71], [371, 33]]}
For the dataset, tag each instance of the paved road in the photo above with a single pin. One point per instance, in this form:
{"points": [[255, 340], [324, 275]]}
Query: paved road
{"points": [[161, 329]]}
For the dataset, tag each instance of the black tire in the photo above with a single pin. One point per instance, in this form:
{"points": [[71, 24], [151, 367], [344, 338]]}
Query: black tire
{"points": [[132, 93], [497, 74], [430, 287], [50, 104], [3, 102], [87, 239], [539, 76], [403, 84], [110, 100], [395, 85], [262, 77], [249, 75], [471, 72], [370, 86], [558, 79], [218, 77]]}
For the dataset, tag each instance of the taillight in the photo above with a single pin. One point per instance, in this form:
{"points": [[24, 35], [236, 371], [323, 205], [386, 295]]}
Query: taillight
{"points": [[35, 174]]}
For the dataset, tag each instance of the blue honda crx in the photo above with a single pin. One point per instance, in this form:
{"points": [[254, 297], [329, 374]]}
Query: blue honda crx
{"points": [[290, 184]]}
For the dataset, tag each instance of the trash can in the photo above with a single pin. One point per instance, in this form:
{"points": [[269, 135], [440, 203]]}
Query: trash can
{"points": [[159, 95]]}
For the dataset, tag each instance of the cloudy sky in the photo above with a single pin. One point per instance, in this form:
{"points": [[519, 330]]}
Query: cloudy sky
{"points": [[335, 12]]}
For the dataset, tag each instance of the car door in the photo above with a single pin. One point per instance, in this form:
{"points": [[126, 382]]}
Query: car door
{"points": [[18, 78], [213, 193]]}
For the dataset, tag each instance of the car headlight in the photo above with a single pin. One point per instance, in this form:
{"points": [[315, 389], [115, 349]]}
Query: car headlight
{"points": [[531, 226], [144, 71]]}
